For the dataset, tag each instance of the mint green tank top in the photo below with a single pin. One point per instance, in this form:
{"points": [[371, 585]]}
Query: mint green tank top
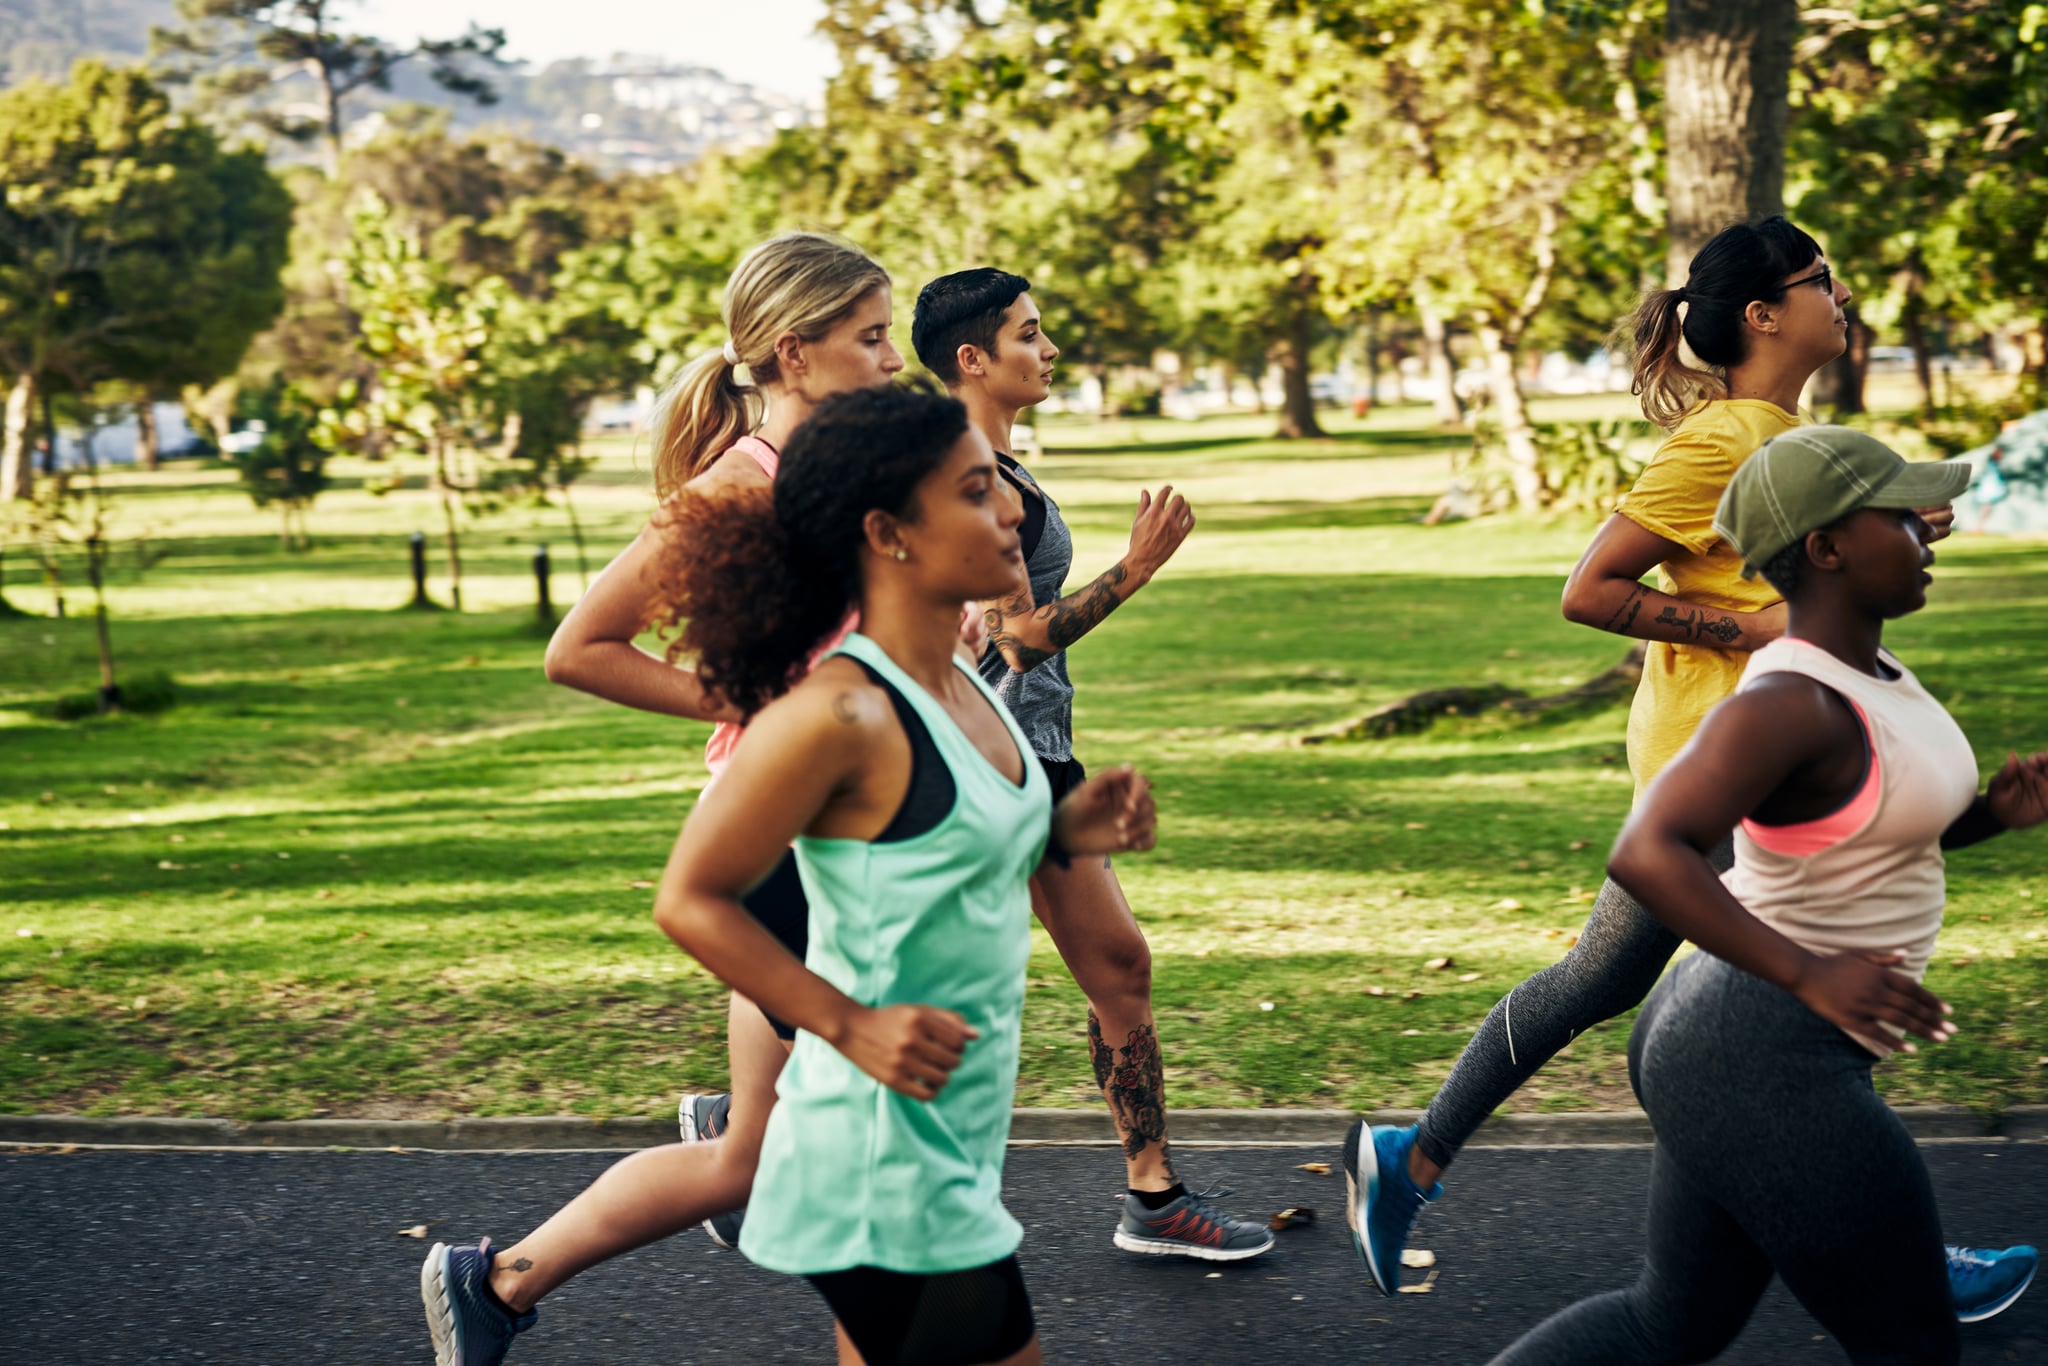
{"points": [[852, 1173]]}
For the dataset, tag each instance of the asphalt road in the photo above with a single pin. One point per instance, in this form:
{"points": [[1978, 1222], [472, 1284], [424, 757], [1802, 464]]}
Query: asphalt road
{"points": [[133, 1257]]}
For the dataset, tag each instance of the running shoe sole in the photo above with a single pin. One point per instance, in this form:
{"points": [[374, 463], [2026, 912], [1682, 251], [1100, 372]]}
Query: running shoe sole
{"points": [[1998, 1307], [1356, 1210], [686, 1117], [1173, 1247], [440, 1313]]}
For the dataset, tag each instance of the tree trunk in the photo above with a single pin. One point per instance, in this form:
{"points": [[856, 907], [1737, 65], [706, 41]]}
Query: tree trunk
{"points": [[15, 454], [1839, 384], [1727, 70], [1436, 349], [576, 528], [49, 431], [96, 571], [1297, 404], [148, 448], [1525, 465], [442, 477], [1912, 324]]}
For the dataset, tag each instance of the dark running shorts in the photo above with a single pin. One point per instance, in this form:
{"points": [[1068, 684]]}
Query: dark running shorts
{"points": [[1065, 774], [957, 1318]]}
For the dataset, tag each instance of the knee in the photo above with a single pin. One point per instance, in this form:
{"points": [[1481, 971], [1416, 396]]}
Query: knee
{"points": [[1119, 970]]}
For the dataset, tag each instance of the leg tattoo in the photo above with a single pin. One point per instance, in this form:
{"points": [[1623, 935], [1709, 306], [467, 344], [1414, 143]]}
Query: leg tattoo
{"points": [[1134, 1082]]}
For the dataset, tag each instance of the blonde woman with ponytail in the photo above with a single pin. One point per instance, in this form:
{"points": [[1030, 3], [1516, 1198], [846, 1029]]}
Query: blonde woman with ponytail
{"points": [[1760, 312], [807, 316]]}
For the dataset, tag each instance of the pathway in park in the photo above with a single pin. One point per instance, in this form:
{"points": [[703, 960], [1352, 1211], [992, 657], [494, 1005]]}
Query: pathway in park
{"points": [[295, 1257]]}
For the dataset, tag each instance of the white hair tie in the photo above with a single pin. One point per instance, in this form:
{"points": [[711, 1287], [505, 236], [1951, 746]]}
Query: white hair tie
{"points": [[731, 353]]}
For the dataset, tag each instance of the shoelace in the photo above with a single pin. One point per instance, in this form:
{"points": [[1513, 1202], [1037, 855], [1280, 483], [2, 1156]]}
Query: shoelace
{"points": [[1216, 1191], [1970, 1257]]}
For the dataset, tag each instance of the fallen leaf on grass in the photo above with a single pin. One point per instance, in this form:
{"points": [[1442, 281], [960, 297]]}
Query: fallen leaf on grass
{"points": [[638, 884], [1294, 1216], [1417, 825], [1417, 1257], [1507, 903], [1468, 976], [1319, 1168], [1425, 1286], [1577, 845], [1439, 964], [420, 1230], [1411, 995], [1370, 991], [169, 866]]}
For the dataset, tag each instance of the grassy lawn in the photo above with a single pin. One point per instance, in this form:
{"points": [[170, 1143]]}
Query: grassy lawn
{"points": [[373, 864]]}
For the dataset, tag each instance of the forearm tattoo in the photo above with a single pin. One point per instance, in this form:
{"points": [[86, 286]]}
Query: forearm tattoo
{"points": [[1624, 616], [1065, 621], [1134, 1082], [1695, 624]]}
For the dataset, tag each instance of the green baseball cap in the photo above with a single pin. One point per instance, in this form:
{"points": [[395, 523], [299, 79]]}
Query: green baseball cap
{"points": [[1811, 477]]}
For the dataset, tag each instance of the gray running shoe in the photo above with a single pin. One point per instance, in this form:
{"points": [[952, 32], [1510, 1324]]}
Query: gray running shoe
{"points": [[704, 1117], [467, 1326], [1191, 1227]]}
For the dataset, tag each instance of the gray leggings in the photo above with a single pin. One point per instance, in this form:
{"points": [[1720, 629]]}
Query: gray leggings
{"points": [[1774, 1153], [1618, 958]]}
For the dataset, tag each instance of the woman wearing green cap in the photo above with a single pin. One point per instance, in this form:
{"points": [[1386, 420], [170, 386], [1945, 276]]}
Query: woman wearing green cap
{"points": [[1762, 310], [1841, 782]]}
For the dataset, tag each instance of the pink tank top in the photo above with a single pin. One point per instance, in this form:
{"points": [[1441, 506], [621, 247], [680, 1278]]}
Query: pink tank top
{"points": [[725, 736]]}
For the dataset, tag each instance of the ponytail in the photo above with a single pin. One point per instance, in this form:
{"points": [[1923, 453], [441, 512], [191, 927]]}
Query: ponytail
{"points": [[754, 579], [704, 411], [1739, 265], [1668, 386]]}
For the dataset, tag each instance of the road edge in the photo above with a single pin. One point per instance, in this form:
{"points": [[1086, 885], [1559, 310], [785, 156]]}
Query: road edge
{"points": [[1028, 1127]]}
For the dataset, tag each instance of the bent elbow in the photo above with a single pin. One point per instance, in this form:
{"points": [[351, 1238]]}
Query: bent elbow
{"points": [[1574, 602]]}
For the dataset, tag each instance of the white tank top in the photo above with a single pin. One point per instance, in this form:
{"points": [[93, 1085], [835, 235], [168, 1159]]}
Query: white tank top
{"points": [[1870, 876]]}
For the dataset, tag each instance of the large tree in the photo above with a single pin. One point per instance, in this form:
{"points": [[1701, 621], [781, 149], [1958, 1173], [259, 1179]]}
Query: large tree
{"points": [[132, 247], [1727, 69], [238, 54]]}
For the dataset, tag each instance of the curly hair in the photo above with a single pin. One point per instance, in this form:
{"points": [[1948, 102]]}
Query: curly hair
{"points": [[1738, 265], [753, 581]]}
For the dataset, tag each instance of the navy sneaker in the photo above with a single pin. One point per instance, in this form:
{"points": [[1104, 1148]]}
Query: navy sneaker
{"points": [[1381, 1201], [468, 1325], [1982, 1283], [1189, 1226], [704, 1117]]}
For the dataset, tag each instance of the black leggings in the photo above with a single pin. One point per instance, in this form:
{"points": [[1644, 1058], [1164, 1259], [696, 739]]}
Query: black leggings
{"points": [[1774, 1153], [1618, 958], [959, 1318]]}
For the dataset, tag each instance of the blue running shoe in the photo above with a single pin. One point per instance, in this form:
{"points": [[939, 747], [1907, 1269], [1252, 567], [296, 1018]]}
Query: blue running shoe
{"points": [[1982, 1284], [467, 1324], [1381, 1202], [701, 1118]]}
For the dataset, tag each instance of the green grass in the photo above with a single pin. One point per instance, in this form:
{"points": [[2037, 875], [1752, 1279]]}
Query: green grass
{"points": [[371, 863]]}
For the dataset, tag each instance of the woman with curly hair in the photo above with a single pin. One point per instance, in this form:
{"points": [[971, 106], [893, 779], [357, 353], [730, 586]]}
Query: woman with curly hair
{"points": [[918, 817]]}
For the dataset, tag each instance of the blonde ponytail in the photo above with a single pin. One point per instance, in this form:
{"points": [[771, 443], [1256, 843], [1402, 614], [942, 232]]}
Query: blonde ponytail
{"points": [[801, 282]]}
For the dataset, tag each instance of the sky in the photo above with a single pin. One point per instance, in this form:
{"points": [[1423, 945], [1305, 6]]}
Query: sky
{"points": [[767, 43]]}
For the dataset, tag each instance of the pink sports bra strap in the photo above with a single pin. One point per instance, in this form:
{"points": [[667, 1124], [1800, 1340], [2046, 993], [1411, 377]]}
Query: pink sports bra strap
{"points": [[762, 454]]}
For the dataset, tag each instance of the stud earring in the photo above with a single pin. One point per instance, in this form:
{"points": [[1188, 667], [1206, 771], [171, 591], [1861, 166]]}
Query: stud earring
{"points": [[901, 553]]}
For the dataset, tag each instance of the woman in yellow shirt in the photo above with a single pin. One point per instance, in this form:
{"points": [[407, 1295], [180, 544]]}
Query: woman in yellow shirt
{"points": [[1762, 309]]}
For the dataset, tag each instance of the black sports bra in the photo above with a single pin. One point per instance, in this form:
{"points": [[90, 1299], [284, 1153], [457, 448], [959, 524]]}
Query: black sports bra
{"points": [[931, 794]]}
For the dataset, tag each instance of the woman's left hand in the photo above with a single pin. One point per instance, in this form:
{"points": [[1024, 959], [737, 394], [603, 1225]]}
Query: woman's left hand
{"points": [[1111, 813], [2018, 795], [1940, 521]]}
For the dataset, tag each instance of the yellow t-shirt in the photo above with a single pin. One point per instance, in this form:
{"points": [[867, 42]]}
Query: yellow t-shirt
{"points": [[1675, 498]]}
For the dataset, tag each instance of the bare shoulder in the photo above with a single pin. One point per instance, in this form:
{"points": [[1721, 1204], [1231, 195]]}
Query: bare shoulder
{"points": [[1785, 709], [836, 707]]}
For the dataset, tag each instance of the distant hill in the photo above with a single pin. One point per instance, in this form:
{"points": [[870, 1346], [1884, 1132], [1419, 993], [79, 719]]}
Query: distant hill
{"points": [[44, 37], [623, 112]]}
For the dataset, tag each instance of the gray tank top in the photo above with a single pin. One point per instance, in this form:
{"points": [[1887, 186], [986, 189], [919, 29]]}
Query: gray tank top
{"points": [[1041, 699]]}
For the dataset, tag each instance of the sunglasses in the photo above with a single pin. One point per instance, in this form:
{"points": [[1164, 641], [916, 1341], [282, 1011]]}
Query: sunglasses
{"points": [[1824, 277]]}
